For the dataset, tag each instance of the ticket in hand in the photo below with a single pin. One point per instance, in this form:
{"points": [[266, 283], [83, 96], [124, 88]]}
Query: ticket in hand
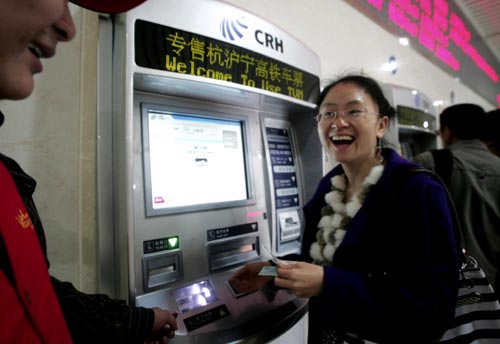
{"points": [[273, 257], [268, 271]]}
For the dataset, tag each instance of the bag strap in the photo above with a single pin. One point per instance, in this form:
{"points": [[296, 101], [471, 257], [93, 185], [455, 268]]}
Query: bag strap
{"points": [[406, 173], [443, 164]]}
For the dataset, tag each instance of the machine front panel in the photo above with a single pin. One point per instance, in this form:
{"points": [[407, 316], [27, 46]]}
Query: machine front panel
{"points": [[207, 170]]}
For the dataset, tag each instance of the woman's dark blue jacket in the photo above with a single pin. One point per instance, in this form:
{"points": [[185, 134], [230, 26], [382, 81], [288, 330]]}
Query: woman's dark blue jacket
{"points": [[394, 278]]}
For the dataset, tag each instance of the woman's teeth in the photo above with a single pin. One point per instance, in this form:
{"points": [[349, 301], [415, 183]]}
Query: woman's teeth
{"points": [[342, 139], [35, 50]]}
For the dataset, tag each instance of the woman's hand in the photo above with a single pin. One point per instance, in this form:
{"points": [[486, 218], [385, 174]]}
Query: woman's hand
{"points": [[164, 326], [247, 279], [302, 279]]}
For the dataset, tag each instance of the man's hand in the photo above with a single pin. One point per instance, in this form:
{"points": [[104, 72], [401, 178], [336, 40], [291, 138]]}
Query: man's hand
{"points": [[164, 327]]}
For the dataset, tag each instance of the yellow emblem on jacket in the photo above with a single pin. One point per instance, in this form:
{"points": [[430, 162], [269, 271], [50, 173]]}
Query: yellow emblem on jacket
{"points": [[24, 219]]}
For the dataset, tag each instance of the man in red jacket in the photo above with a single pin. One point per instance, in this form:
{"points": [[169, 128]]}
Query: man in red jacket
{"points": [[35, 307]]}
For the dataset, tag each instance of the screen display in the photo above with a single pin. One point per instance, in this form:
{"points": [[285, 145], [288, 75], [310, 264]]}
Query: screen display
{"points": [[416, 117], [193, 160]]}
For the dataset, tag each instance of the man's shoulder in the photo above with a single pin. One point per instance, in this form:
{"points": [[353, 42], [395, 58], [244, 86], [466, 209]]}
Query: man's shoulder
{"points": [[424, 159], [473, 155]]}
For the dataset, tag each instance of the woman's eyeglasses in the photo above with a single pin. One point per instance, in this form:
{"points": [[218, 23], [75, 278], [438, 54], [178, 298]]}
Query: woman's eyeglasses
{"points": [[348, 115]]}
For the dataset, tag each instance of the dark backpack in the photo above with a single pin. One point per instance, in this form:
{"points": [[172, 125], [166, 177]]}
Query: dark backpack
{"points": [[443, 164]]}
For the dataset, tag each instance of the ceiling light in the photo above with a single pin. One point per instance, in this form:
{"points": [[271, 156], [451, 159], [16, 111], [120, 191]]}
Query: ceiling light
{"points": [[404, 41]]}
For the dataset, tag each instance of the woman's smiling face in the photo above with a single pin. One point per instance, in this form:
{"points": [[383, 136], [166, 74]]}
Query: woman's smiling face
{"points": [[29, 31], [351, 136]]}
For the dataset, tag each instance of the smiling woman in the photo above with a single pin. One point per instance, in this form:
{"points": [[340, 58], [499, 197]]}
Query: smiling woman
{"points": [[45, 24], [342, 217], [353, 117], [369, 272]]}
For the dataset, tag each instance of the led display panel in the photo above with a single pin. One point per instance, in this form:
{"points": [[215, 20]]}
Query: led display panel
{"points": [[440, 31]]}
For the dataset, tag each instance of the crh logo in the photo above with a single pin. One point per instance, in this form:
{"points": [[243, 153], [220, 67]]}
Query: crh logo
{"points": [[232, 29], [269, 41]]}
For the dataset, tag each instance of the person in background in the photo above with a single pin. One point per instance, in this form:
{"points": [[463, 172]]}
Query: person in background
{"points": [[473, 178], [378, 258], [492, 134], [492, 140], [34, 307]]}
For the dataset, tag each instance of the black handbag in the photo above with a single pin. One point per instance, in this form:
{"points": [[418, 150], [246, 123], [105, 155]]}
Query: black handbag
{"points": [[477, 312]]}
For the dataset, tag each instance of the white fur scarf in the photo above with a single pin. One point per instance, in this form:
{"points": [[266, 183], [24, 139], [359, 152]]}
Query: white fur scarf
{"points": [[337, 215]]}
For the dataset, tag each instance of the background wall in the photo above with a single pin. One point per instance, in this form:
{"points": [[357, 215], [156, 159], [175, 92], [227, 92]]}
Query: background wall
{"points": [[53, 134]]}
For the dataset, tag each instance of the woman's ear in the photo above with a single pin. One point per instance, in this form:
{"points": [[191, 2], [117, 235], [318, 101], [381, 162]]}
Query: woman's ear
{"points": [[383, 123]]}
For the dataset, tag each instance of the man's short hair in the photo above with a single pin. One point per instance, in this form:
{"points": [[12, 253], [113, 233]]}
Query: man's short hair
{"points": [[493, 128], [466, 121]]}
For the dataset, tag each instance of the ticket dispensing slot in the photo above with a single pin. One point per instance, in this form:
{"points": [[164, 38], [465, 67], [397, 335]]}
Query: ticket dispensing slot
{"points": [[161, 269], [228, 253], [289, 223]]}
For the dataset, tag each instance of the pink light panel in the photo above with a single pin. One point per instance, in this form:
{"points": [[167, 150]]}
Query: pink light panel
{"points": [[433, 26]]}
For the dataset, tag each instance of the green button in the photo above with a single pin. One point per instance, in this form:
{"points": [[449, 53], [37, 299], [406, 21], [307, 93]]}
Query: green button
{"points": [[173, 242]]}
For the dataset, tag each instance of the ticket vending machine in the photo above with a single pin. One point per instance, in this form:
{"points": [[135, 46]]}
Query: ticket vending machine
{"points": [[414, 129], [212, 136]]}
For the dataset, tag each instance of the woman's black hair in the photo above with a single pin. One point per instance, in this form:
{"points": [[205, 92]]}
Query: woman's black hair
{"points": [[369, 85]]}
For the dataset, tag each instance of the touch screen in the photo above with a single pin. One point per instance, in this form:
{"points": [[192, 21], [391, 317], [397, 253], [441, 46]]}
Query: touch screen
{"points": [[194, 160]]}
